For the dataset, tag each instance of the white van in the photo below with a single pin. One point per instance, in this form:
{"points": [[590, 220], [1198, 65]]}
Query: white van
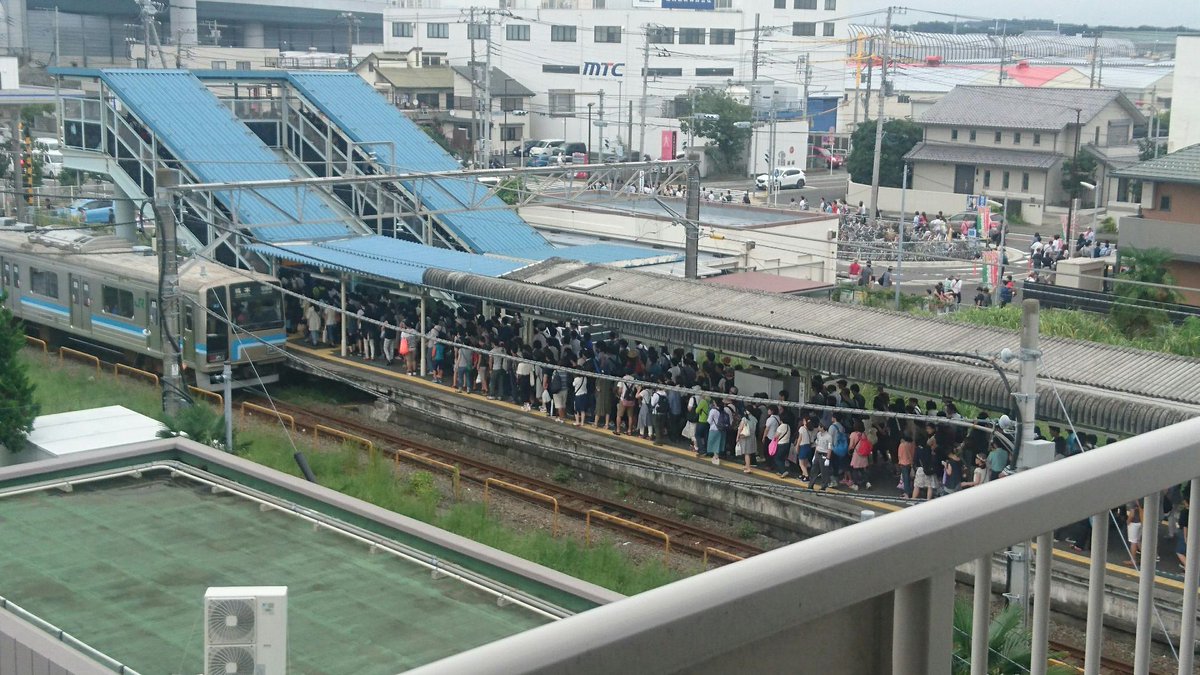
{"points": [[52, 163], [544, 146], [47, 143]]}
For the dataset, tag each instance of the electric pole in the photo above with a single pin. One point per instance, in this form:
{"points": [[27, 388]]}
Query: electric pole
{"points": [[601, 124], [475, 134], [168, 300], [351, 22], [807, 80], [1095, 54], [646, 28], [887, 47], [754, 52], [691, 225], [18, 167], [487, 91], [629, 126], [1003, 53]]}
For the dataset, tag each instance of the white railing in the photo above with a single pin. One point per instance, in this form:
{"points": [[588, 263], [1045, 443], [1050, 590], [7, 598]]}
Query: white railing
{"points": [[878, 596]]}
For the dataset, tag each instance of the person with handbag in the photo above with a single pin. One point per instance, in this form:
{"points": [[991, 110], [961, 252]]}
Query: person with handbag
{"points": [[747, 442]]}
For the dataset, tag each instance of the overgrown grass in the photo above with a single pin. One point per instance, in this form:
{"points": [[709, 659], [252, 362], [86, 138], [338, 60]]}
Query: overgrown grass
{"points": [[69, 386], [1183, 340]]}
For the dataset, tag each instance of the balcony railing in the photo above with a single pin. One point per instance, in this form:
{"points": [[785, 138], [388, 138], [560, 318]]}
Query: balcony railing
{"points": [[877, 597]]}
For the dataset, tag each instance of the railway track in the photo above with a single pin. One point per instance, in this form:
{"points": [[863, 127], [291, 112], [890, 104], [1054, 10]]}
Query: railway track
{"points": [[1073, 657], [682, 536]]}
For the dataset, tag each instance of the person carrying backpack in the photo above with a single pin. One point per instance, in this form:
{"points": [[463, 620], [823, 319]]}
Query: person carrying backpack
{"points": [[661, 408], [839, 458], [718, 425]]}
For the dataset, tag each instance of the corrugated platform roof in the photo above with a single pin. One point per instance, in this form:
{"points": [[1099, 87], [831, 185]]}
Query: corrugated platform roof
{"points": [[214, 146], [1147, 374]]}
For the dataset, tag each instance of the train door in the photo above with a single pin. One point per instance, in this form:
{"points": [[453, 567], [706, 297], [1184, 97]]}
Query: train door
{"points": [[153, 325], [189, 334], [81, 303], [6, 294], [216, 334]]}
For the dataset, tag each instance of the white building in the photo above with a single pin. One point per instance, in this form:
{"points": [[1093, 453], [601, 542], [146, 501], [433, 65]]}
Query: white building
{"points": [[1185, 101], [582, 56]]}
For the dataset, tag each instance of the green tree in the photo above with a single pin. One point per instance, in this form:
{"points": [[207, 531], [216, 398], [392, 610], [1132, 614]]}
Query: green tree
{"points": [[16, 390], [899, 136], [730, 141], [1008, 643], [1137, 309], [1076, 171]]}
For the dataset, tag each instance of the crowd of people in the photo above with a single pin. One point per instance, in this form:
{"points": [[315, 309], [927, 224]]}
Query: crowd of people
{"points": [[841, 434]]}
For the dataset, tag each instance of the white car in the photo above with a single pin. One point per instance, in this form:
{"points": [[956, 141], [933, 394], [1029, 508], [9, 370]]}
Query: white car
{"points": [[790, 177], [544, 146]]}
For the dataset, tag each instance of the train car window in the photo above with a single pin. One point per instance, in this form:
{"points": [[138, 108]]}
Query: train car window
{"points": [[117, 301], [216, 337], [87, 294], [153, 313], [187, 320], [43, 283], [4, 276], [256, 306]]}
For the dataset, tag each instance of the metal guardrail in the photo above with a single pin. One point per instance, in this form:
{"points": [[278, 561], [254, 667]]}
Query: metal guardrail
{"points": [[319, 429], [37, 342], [210, 395], [249, 408], [78, 356], [532, 494], [455, 474], [65, 637], [718, 553], [135, 372], [629, 525]]}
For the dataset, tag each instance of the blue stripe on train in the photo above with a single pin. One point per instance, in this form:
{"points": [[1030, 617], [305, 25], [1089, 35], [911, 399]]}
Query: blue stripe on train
{"points": [[119, 326], [47, 306]]}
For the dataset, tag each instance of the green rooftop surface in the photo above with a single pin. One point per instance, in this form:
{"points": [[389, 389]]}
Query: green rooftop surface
{"points": [[123, 566]]}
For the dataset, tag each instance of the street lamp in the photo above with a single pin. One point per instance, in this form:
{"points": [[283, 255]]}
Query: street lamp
{"points": [[1095, 188]]}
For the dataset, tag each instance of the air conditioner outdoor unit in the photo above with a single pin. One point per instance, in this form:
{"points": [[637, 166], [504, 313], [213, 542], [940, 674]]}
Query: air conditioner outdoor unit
{"points": [[245, 630]]}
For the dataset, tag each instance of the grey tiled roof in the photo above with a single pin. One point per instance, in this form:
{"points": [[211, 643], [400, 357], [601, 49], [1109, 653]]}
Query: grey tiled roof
{"points": [[1181, 166], [1038, 108], [953, 153], [502, 83]]}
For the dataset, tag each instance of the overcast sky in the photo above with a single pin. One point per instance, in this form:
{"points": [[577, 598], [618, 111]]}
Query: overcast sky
{"points": [[1109, 12]]}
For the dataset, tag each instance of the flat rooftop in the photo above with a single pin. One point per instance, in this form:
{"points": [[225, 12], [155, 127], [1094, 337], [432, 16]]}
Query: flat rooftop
{"points": [[711, 213], [122, 563]]}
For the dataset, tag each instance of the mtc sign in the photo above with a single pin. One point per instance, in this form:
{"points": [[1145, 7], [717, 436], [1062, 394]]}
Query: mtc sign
{"points": [[596, 68]]}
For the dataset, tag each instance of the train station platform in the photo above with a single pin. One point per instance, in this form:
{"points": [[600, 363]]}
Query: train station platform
{"points": [[787, 508]]}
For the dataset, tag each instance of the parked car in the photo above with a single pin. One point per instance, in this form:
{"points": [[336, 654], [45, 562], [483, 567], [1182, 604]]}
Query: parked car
{"points": [[543, 146], [523, 149], [87, 211], [818, 156], [790, 177]]}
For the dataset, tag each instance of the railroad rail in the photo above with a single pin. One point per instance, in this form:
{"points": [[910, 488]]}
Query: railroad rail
{"points": [[684, 537], [1073, 658]]}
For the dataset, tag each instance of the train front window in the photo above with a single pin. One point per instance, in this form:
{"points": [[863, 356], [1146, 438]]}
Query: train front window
{"points": [[216, 338], [256, 306]]}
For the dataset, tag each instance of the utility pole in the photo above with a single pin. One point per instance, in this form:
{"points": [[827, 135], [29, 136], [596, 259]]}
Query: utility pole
{"points": [[900, 239], [351, 22], [807, 81], [646, 28], [56, 43], [18, 170], [148, 10], [1095, 56], [629, 126], [754, 52], [772, 188], [691, 225], [487, 91], [1003, 53], [1073, 209], [475, 134], [168, 299], [870, 74], [887, 47], [601, 124]]}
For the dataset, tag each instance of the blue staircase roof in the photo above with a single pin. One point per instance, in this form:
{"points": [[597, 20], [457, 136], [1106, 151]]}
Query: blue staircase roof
{"points": [[214, 146], [387, 258], [400, 145]]}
